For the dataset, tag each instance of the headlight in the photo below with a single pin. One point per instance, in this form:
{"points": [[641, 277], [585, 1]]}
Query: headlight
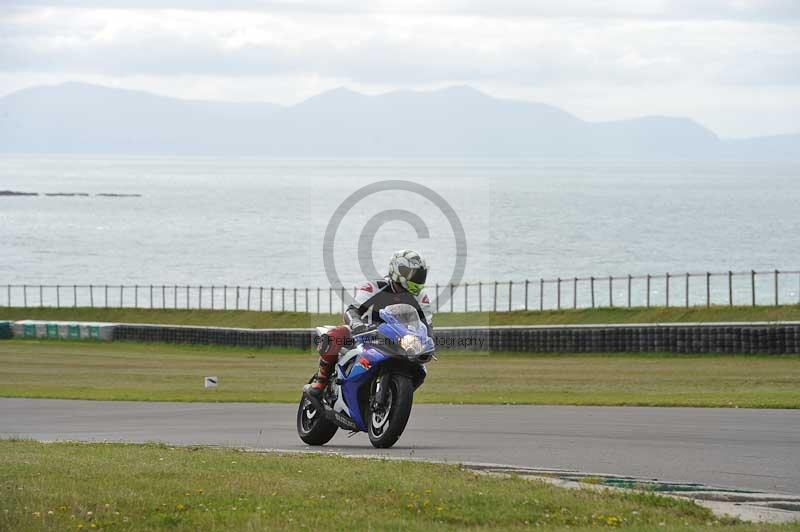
{"points": [[411, 344]]}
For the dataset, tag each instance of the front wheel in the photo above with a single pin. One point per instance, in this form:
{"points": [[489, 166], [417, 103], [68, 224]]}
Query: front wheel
{"points": [[387, 423], [312, 427]]}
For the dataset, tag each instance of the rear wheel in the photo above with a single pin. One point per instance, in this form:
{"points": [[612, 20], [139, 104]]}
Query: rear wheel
{"points": [[386, 423], [312, 426]]}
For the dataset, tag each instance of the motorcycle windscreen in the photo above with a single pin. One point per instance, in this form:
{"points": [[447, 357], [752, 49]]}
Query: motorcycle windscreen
{"points": [[404, 319]]}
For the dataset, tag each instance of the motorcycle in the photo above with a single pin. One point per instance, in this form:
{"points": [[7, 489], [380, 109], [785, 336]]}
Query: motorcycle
{"points": [[372, 389]]}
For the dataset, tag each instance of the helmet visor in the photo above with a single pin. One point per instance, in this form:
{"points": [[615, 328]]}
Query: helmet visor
{"points": [[414, 275]]}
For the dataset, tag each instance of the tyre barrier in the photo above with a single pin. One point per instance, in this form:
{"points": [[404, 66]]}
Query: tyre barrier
{"points": [[5, 330], [744, 338], [181, 334]]}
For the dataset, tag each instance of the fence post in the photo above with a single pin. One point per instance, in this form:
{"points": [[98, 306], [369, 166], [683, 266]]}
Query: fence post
{"points": [[249, 288], [558, 293], [25, 296], [330, 300], [58, 296], [730, 288], [526, 294], [283, 299], [91, 295], [224, 297], [629, 290], [75, 295], [480, 296], [541, 294], [591, 285], [105, 297], [175, 296], [294, 299], [437, 297], [212, 296], [121, 294], [686, 288], [8, 294], [199, 296], [776, 287], [41, 296], [667, 287], [342, 302], [271, 298], [753, 286], [510, 284], [237, 297], [466, 291], [163, 297], [261, 299], [574, 292], [187, 296], [306, 307], [708, 289], [451, 297], [647, 298], [610, 291], [318, 292], [495, 296]]}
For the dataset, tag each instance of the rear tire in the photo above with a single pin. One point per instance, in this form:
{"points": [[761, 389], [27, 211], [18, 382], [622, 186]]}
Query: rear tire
{"points": [[312, 426], [386, 426]]}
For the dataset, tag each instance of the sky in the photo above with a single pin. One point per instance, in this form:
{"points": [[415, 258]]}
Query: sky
{"points": [[732, 65]]}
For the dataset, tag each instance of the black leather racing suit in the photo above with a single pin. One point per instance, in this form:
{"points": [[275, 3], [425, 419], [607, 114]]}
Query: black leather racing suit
{"points": [[372, 296]]}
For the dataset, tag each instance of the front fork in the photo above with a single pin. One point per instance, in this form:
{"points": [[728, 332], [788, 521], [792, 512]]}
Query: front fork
{"points": [[378, 398]]}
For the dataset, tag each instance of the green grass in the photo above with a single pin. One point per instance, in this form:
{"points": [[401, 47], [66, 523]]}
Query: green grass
{"points": [[241, 318], [160, 372], [72, 486]]}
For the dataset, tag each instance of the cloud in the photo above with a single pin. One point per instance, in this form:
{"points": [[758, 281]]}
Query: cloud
{"points": [[384, 49], [779, 10], [283, 50]]}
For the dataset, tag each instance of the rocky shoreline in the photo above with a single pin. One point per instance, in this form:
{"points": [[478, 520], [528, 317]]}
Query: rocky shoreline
{"points": [[15, 193], [69, 194]]}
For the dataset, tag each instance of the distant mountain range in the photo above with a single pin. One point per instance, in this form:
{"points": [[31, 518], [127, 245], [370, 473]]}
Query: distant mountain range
{"points": [[453, 122]]}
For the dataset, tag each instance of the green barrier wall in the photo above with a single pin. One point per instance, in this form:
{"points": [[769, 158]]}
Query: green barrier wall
{"points": [[5, 330], [61, 330]]}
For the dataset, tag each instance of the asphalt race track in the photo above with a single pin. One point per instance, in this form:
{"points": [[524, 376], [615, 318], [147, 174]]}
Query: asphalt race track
{"points": [[735, 448]]}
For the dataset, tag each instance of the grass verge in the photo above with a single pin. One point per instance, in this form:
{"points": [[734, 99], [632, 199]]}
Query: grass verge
{"points": [[72, 486], [241, 318], [161, 372]]}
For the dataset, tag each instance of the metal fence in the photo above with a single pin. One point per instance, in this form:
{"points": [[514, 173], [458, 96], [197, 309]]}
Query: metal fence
{"points": [[756, 288]]}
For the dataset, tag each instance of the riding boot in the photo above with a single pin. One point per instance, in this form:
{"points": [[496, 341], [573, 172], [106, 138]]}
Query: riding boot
{"points": [[328, 348], [321, 378]]}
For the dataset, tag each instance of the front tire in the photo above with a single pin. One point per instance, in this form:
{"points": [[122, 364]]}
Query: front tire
{"points": [[385, 425], [312, 426]]}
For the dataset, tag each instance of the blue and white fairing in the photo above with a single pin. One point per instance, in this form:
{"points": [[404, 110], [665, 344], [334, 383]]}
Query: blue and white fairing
{"points": [[401, 335]]}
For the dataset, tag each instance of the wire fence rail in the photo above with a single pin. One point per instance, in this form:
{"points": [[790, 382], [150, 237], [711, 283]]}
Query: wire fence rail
{"points": [[753, 288]]}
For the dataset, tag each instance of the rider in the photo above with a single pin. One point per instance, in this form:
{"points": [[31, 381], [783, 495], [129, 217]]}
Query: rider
{"points": [[404, 284]]}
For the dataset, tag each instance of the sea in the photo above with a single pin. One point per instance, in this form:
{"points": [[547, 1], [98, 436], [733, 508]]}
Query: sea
{"points": [[321, 223]]}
